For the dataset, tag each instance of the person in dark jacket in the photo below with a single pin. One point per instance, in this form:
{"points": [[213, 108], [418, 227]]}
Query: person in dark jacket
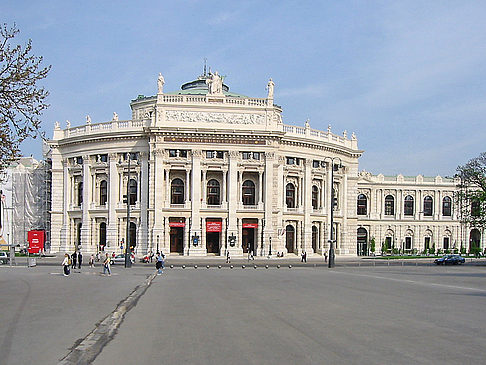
{"points": [[74, 256], [80, 259]]}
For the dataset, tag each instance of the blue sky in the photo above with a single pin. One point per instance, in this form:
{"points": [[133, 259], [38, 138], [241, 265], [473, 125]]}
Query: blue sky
{"points": [[408, 77]]}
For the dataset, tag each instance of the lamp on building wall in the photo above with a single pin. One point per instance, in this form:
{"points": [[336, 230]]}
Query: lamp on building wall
{"points": [[332, 239], [232, 240]]}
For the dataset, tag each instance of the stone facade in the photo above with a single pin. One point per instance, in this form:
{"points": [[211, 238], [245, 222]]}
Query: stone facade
{"points": [[207, 172]]}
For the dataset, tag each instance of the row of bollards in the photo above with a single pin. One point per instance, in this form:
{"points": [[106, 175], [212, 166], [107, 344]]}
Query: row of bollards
{"points": [[231, 266]]}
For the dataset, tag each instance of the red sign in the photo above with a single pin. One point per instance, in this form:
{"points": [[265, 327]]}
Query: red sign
{"points": [[213, 226], [177, 224], [250, 225], [36, 241]]}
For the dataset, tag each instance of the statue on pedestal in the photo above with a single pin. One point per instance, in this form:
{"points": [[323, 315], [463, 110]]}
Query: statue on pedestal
{"points": [[215, 84], [160, 84], [270, 86], [115, 116]]}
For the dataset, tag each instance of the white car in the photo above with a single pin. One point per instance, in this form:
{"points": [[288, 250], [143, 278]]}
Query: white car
{"points": [[3, 258], [120, 259]]}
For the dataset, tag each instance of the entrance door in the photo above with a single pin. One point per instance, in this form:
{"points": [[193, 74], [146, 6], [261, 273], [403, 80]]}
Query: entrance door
{"points": [[290, 239], [176, 239], [212, 242], [362, 241], [133, 235], [248, 240], [474, 240]]}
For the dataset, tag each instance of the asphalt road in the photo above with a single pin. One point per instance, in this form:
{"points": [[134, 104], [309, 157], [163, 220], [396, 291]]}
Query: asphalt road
{"points": [[366, 315]]}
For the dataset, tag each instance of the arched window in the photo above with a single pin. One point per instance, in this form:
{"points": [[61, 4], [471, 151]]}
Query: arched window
{"points": [[475, 208], [80, 193], [102, 235], [248, 192], [447, 206], [103, 192], [78, 234], [408, 205], [290, 195], [177, 192], [132, 235], [315, 197], [132, 189], [213, 192], [389, 205], [362, 204], [428, 203]]}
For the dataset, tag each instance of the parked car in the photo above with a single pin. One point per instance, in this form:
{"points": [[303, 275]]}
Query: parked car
{"points": [[450, 260], [3, 257], [120, 259]]}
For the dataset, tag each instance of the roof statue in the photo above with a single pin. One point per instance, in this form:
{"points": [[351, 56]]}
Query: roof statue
{"points": [[270, 86], [160, 84], [215, 84], [88, 119], [307, 124], [68, 124], [57, 125], [115, 116]]}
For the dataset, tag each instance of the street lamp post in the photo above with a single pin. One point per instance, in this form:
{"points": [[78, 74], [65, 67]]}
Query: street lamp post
{"points": [[332, 240], [128, 262]]}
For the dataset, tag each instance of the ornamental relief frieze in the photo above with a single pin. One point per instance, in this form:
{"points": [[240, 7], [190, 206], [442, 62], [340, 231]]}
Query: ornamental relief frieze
{"points": [[213, 117]]}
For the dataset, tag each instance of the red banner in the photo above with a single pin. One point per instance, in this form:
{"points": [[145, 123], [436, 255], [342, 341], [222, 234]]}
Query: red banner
{"points": [[213, 227], [177, 224], [250, 225], [36, 241]]}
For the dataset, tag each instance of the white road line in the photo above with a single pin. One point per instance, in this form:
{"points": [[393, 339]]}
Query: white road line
{"points": [[414, 282]]}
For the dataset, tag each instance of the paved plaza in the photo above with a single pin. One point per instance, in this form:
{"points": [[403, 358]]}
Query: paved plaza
{"points": [[308, 315]]}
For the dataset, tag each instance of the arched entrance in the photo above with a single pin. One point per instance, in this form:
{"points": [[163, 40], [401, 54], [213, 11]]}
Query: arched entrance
{"points": [[474, 240], [314, 238], [290, 239], [362, 242]]}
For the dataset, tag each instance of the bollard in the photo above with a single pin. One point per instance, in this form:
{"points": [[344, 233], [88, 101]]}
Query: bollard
{"points": [[171, 266], [290, 266], [219, 266], [278, 266], [243, 266], [195, 266], [266, 266], [207, 266], [231, 266], [183, 266], [254, 266]]}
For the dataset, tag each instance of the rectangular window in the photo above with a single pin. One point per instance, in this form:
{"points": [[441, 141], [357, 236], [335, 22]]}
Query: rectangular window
{"points": [[291, 160], [446, 243], [172, 153], [104, 158], [316, 164], [209, 154], [408, 243], [256, 155], [246, 155]]}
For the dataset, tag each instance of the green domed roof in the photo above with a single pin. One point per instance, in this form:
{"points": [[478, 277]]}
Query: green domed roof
{"points": [[199, 87]]}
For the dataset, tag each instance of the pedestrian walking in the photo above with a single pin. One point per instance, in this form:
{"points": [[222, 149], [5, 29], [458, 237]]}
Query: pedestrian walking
{"points": [[325, 256], [73, 259], [228, 258], [80, 260], [304, 256], [159, 265], [66, 265], [106, 265], [91, 260]]}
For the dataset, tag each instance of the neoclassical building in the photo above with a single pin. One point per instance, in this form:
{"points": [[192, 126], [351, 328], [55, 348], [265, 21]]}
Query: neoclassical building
{"points": [[203, 171]]}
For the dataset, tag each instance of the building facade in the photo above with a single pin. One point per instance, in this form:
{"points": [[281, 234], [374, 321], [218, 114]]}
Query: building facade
{"points": [[205, 171]]}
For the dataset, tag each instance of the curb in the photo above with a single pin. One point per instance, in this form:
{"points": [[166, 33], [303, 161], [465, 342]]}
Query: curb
{"points": [[88, 348]]}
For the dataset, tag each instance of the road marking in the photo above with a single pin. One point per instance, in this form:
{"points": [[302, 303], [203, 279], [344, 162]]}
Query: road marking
{"points": [[414, 282]]}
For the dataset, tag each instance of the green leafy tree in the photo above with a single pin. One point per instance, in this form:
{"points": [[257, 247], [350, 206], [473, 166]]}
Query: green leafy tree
{"points": [[22, 99], [372, 244], [471, 198]]}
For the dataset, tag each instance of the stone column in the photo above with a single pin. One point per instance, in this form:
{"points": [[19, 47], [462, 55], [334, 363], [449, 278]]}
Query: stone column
{"points": [[87, 179], [260, 188], [233, 188], [196, 203], [224, 187], [159, 194], [204, 198], [113, 196], [187, 196], [307, 239], [271, 185], [142, 244]]}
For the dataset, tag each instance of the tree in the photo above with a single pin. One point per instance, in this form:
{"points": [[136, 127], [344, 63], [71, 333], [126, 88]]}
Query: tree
{"points": [[22, 100], [471, 198]]}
